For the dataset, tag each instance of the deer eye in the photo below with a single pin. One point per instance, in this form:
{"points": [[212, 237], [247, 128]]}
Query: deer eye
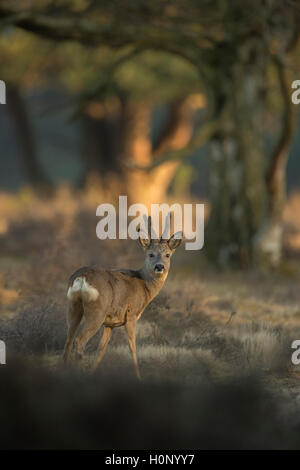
{"points": [[168, 255], [151, 255]]}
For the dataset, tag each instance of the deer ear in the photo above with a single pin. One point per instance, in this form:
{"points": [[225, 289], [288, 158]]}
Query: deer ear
{"points": [[175, 242], [144, 240]]}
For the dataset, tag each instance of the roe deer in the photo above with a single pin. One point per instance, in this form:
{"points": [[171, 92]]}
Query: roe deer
{"points": [[115, 298]]}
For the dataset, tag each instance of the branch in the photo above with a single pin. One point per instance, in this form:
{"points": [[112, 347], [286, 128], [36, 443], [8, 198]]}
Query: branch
{"points": [[80, 30], [89, 32], [102, 86], [205, 133]]}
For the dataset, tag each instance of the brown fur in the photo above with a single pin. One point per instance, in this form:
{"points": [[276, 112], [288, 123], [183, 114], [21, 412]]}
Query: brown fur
{"points": [[115, 298]]}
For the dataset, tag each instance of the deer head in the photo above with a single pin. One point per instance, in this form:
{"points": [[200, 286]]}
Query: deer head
{"points": [[159, 251]]}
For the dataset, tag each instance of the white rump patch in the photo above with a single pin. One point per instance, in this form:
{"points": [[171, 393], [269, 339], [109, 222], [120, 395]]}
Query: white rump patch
{"points": [[82, 289], [74, 291], [89, 293]]}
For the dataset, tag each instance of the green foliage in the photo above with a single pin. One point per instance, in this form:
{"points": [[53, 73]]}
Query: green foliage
{"points": [[31, 62]]}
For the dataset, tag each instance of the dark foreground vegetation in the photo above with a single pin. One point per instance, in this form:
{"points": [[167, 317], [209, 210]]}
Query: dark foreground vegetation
{"points": [[43, 409]]}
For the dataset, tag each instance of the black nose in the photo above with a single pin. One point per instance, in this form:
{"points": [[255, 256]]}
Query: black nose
{"points": [[159, 267]]}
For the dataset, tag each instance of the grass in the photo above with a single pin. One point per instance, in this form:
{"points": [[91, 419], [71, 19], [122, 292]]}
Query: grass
{"points": [[209, 338]]}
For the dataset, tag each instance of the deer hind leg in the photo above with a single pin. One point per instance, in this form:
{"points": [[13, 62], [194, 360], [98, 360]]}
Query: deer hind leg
{"points": [[131, 334], [94, 317], [74, 316], [102, 346]]}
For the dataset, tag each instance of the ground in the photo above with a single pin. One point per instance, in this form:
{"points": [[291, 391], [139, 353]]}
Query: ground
{"points": [[206, 327]]}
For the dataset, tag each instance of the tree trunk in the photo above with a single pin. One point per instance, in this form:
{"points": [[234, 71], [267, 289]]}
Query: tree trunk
{"points": [[151, 187], [26, 141], [98, 145], [136, 145], [269, 239], [238, 193]]}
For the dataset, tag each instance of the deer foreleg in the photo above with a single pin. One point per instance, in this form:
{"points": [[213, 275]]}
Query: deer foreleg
{"points": [[131, 334]]}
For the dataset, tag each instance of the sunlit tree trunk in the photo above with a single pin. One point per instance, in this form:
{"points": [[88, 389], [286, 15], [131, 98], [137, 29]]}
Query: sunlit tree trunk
{"points": [[151, 187], [136, 146]]}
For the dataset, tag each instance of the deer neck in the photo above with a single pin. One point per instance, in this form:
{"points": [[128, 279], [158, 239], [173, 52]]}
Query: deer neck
{"points": [[153, 284]]}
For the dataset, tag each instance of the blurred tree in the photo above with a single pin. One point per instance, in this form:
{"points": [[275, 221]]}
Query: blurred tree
{"points": [[248, 189], [122, 100], [26, 141], [99, 137], [109, 88], [151, 187], [24, 60], [231, 45]]}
